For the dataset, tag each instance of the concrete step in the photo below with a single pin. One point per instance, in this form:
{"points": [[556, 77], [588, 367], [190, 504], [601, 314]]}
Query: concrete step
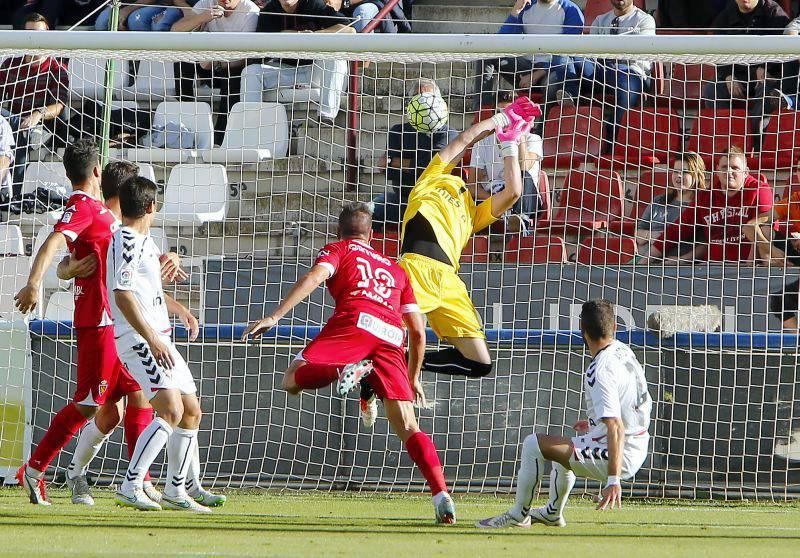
{"points": [[455, 16]]}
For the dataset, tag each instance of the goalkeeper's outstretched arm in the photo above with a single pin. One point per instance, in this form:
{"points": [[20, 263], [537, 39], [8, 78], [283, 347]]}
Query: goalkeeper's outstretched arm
{"points": [[454, 150], [512, 177]]}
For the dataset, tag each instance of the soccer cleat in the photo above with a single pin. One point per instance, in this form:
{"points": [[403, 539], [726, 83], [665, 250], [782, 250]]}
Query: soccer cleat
{"points": [[351, 374], [79, 486], [151, 492], [183, 503], [135, 498], [34, 486], [503, 521], [207, 498], [369, 412], [538, 515], [445, 510]]}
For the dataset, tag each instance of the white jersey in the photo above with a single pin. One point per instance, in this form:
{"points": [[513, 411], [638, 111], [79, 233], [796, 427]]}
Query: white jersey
{"points": [[133, 265], [615, 386]]}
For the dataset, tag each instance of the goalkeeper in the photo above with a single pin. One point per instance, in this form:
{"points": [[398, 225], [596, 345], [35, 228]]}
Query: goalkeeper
{"points": [[440, 218]]}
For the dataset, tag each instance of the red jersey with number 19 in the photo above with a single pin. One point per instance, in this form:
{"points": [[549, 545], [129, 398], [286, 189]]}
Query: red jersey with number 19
{"points": [[364, 280], [88, 225]]}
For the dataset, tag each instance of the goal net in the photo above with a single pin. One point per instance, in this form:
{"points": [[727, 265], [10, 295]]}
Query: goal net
{"points": [[257, 140]]}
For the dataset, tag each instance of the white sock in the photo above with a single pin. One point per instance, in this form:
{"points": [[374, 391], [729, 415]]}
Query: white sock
{"points": [[193, 485], [179, 456], [89, 443], [149, 445], [529, 476], [561, 482]]}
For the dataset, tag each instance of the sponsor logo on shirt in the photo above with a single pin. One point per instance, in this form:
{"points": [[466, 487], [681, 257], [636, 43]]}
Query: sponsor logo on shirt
{"points": [[380, 329]]}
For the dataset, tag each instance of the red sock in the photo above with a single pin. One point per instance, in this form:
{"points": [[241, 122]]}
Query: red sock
{"points": [[315, 376], [135, 421], [64, 426], [422, 451]]}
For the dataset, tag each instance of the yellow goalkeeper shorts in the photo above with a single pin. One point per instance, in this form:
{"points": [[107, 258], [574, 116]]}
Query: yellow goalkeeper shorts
{"points": [[442, 296]]}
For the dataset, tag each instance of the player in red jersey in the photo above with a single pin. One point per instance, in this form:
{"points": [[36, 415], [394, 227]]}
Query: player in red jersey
{"points": [[86, 228], [364, 339]]}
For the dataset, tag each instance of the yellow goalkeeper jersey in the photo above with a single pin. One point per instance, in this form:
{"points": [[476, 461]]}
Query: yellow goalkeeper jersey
{"points": [[445, 201]]}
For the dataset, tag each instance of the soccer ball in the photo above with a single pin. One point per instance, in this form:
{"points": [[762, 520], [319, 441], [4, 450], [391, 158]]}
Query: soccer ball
{"points": [[427, 112]]}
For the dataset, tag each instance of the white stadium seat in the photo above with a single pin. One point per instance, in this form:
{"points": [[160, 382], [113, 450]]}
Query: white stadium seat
{"points": [[255, 132], [194, 116], [87, 76], [147, 171], [11, 242], [60, 306], [13, 276], [45, 175], [154, 81], [195, 194], [51, 280]]}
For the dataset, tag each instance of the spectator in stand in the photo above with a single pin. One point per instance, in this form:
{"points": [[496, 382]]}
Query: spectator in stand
{"points": [[215, 16], [35, 90], [688, 14], [746, 81], [486, 178], [544, 72], [300, 16], [59, 12], [143, 15], [688, 175], [408, 155], [8, 9], [6, 160], [364, 11], [789, 93], [715, 222]]}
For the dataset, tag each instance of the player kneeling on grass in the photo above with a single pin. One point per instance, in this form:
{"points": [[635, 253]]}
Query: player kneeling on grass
{"points": [[610, 446], [364, 339], [141, 309]]}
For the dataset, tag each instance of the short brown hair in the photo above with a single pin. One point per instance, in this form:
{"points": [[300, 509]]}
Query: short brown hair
{"points": [[598, 319], [695, 167], [33, 17], [355, 220], [114, 174], [136, 195]]}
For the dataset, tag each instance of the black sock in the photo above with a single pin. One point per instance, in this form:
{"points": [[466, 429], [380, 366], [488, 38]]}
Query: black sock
{"points": [[450, 361]]}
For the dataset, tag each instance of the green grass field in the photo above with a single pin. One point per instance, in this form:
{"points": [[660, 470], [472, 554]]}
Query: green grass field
{"points": [[312, 524]]}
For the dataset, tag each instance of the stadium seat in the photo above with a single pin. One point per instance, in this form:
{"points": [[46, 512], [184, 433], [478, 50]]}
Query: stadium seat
{"points": [[571, 135], [647, 136], [684, 87], [50, 280], [13, 276], [154, 81], [60, 306], [194, 116], [715, 130], [255, 132], [11, 243], [387, 243], [195, 194], [48, 175], [147, 171], [780, 143], [594, 8], [87, 77], [476, 250], [607, 250], [540, 248], [591, 200]]}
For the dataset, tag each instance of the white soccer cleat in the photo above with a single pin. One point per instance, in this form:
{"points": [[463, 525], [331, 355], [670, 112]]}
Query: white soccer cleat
{"points": [[135, 498], [503, 521], [539, 515], [34, 487], [445, 509], [81, 494], [151, 492], [208, 498], [351, 374], [369, 412], [183, 503]]}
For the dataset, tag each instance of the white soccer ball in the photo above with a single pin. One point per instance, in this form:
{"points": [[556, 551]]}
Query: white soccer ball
{"points": [[427, 112]]}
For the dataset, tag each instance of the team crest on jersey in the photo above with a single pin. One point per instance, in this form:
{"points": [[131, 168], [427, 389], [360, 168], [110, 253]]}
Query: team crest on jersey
{"points": [[101, 389], [125, 277]]}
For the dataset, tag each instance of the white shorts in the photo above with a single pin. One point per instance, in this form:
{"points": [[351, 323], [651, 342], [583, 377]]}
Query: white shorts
{"points": [[590, 456], [136, 356]]}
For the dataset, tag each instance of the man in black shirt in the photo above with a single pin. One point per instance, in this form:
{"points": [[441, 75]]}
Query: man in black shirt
{"points": [[409, 153], [329, 76]]}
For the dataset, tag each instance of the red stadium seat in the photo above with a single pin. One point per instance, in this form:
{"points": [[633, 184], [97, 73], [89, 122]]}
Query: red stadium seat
{"points": [[536, 249], [684, 88], [607, 250], [592, 199], [647, 136], [387, 243], [594, 8], [571, 135], [476, 251], [780, 147], [715, 130]]}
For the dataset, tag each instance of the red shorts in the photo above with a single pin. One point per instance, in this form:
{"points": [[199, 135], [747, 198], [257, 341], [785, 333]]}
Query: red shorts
{"points": [[101, 376], [342, 341]]}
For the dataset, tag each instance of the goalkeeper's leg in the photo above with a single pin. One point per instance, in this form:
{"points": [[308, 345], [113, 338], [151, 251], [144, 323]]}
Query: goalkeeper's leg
{"points": [[423, 452]]}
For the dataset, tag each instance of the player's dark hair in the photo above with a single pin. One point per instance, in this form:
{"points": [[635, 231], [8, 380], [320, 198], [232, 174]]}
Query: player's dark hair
{"points": [[355, 220], [114, 174], [33, 17], [80, 158], [598, 319], [135, 195]]}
